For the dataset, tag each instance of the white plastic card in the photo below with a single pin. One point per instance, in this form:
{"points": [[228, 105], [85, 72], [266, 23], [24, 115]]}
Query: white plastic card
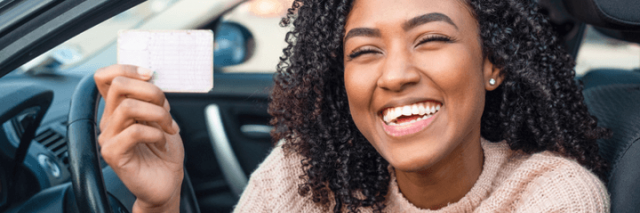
{"points": [[182, 60]]}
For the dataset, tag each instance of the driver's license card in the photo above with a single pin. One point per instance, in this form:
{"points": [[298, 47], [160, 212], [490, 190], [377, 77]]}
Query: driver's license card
{"points": [[182, 60]]}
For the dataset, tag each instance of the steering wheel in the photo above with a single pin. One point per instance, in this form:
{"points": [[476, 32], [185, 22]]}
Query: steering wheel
{"points": [[86, 174]]}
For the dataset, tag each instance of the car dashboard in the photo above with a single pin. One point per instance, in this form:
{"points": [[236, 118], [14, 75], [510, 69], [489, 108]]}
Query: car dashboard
{"points": [[46, 161]]}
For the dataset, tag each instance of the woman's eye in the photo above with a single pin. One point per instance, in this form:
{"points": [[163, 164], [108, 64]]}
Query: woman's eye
{"points": [[360, 52], [436, 38]]}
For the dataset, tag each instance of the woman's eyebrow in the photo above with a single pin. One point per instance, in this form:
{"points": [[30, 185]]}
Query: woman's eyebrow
{"points": [[367, 32], [426, 18]]}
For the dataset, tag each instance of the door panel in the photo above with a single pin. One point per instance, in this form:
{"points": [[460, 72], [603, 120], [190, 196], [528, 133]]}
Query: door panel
{"points": [[242, 100]]}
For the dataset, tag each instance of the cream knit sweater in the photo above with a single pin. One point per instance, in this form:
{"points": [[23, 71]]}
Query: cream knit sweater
{"points": [[509, 182]]}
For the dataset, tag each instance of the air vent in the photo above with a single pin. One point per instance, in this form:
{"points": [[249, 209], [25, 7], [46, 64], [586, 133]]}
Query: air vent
{"points": [[55, 142]]}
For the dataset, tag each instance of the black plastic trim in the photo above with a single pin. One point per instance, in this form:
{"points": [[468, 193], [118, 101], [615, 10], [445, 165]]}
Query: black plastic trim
{"points": [[20, 11], [18, 97], [54, 26], [48, 200]]}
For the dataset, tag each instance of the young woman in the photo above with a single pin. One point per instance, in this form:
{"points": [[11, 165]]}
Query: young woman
{"points": [[394, 106]]}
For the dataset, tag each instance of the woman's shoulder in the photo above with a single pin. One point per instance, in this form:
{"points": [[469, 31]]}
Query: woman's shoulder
{"points": [[554, 168], [550, 182], [273, 186], [279, 165]]}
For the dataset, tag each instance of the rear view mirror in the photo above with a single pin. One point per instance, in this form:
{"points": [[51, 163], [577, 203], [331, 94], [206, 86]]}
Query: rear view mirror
{"points": [[233, 44]]}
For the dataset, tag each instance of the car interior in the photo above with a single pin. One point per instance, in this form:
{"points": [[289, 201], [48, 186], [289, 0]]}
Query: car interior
{"points": [[613, 96], [49, 158]]}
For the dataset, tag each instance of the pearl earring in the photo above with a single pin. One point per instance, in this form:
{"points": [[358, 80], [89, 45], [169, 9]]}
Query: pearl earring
{"points": [[492, 82]]}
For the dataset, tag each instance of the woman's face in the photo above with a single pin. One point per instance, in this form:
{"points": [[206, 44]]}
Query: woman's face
{"points": [[415, 78]]}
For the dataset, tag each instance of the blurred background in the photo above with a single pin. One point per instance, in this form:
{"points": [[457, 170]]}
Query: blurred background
{"points": [[598, 51], [259, 20]]}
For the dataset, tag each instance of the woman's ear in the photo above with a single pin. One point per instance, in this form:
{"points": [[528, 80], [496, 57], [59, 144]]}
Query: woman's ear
{"points": [[492, 75]]}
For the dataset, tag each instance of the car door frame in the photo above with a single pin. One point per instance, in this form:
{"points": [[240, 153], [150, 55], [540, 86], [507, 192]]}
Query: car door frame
{"points": [[52, 25]]}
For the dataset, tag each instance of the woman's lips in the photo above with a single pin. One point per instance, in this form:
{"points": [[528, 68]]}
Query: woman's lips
{"points": [[408, 127]]}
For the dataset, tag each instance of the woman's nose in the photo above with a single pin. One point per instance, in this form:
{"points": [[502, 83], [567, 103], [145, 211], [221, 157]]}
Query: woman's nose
{"points": [[398, 72]]}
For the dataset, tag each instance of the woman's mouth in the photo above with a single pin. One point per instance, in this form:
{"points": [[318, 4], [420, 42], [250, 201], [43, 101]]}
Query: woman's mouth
{"points": [[409, 119]]}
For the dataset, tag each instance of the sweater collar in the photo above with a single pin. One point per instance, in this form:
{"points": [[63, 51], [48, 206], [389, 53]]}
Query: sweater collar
{"points": [[495, 154]]}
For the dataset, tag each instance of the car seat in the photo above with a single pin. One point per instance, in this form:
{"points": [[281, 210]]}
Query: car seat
{"points": [[619, 19], [613, 96], [617, 107]]}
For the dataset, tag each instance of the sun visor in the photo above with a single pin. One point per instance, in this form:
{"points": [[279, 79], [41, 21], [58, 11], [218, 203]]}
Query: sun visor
{"points": [[622, 15]]}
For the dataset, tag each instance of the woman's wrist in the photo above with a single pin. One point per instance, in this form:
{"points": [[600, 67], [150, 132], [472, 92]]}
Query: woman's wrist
{"points": [[171, 206]]}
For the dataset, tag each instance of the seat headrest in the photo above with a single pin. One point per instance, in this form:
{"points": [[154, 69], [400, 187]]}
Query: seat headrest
{"points": [[621, 15]]}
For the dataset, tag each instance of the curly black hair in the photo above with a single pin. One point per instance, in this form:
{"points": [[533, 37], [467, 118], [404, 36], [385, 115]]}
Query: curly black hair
{"points": [[538, 106]]}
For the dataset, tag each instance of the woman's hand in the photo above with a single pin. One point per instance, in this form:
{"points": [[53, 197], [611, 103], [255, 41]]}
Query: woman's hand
{"points": [[139, 139]]}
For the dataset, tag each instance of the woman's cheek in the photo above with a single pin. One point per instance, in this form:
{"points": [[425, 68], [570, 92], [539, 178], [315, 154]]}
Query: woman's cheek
{"points": [[458, 75], [464, 89], [452, 69], [360, 83]]}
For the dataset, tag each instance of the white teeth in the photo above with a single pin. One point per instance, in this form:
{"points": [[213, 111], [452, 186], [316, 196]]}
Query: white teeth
{"points": [[406, 110], [386, 116], [426, 109]]}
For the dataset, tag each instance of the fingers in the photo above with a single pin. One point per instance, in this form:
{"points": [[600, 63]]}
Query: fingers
{"points": [[124, 77], [130, 111], [166, 105], [104, 76], [113, 149], [122, 88], [136, 111]]}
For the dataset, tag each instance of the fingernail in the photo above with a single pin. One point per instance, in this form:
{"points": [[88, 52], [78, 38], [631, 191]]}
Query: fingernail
{"points": [[144, 72], [166, 105], [175, 126]]}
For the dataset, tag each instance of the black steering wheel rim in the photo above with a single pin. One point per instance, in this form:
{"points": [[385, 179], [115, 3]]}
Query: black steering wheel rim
{"points": [[86, 173]]}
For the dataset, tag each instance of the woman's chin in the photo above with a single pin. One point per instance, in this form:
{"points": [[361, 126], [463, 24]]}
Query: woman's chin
{"points": [[414, 153], [413, 161]]}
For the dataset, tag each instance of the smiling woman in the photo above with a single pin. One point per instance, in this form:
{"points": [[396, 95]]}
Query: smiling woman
{"points": [[398, 106], [426, 60], [410, 106]]}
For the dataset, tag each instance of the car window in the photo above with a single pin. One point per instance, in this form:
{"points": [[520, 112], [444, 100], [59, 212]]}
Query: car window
{"points": [[600, 51], [261, 18], [99, 41], [86, 44]]}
